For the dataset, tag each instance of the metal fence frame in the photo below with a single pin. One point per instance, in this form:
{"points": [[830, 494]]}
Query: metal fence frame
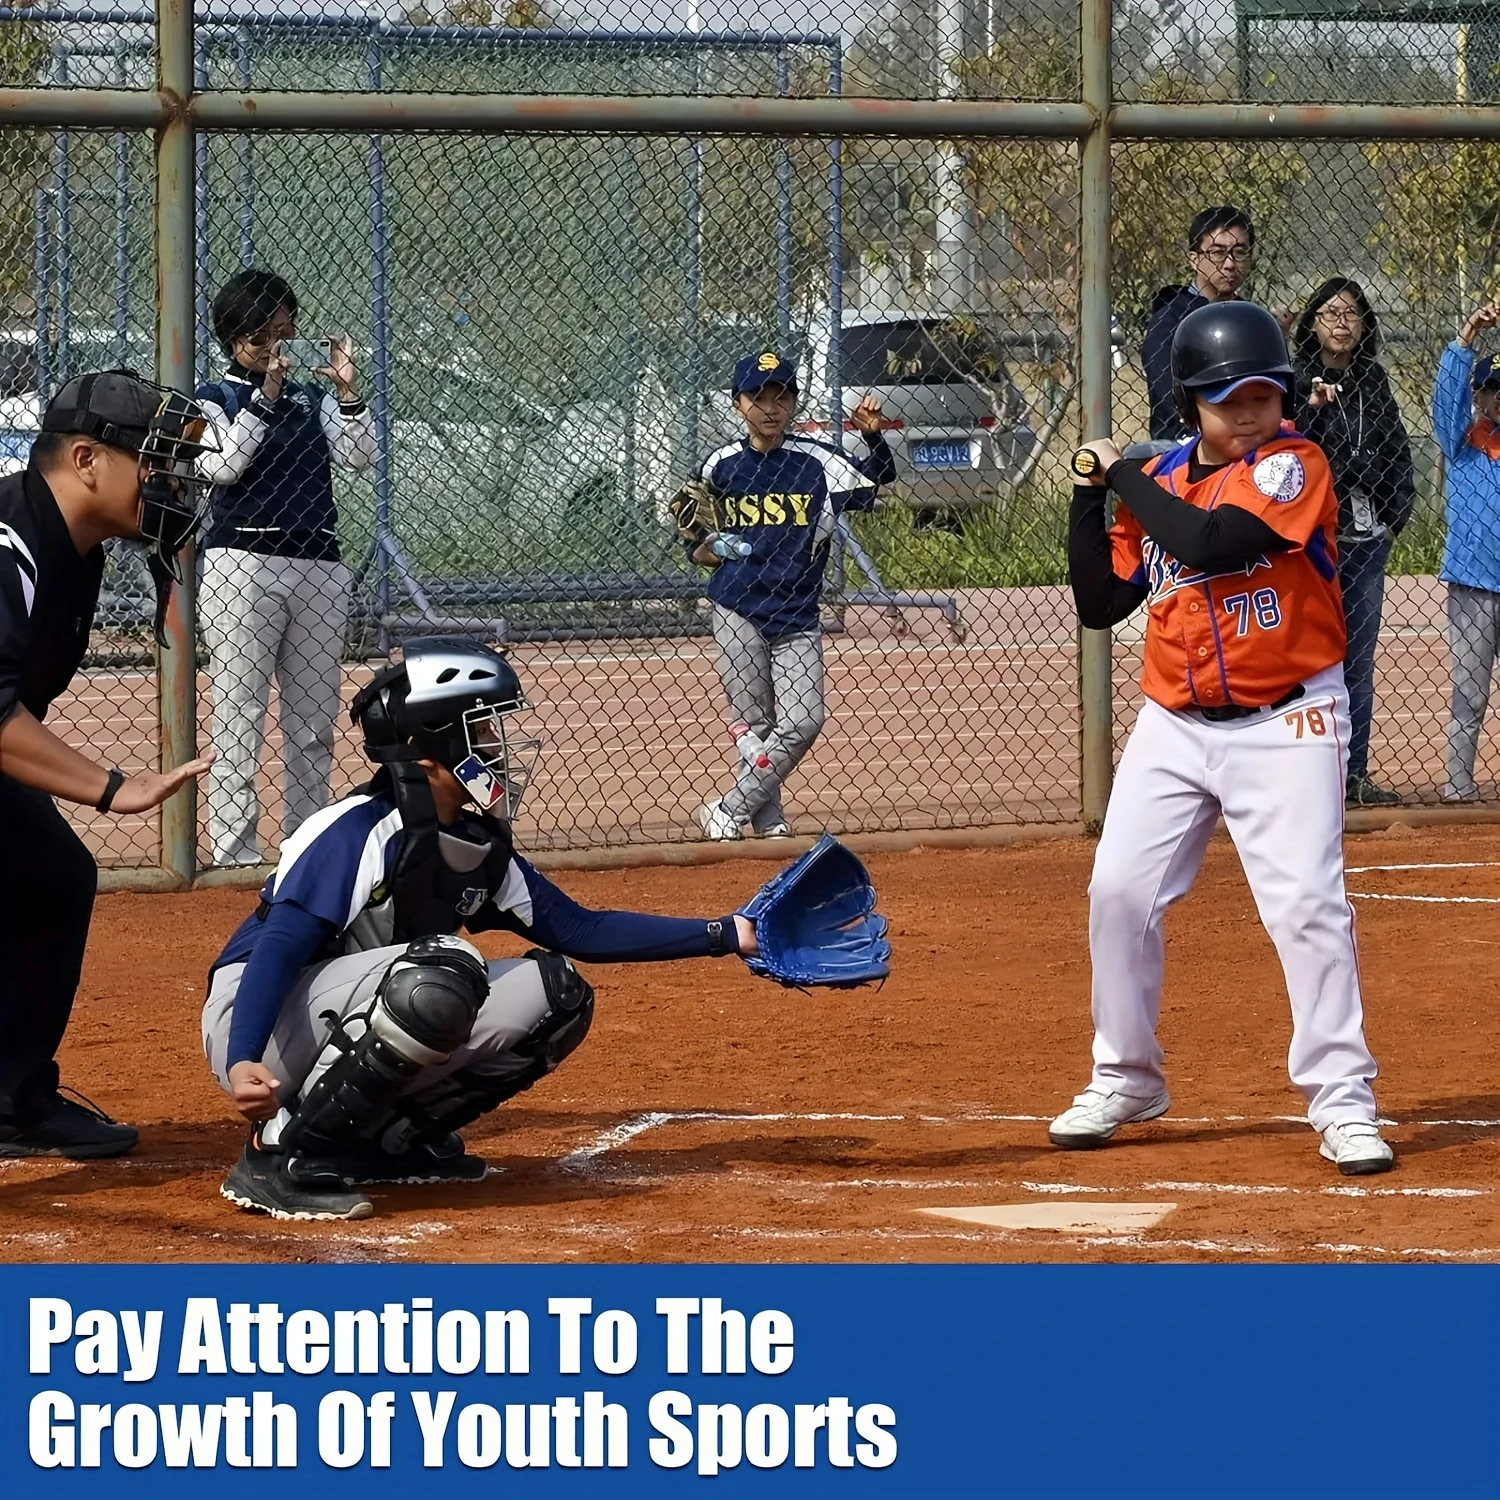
{"points": [[178, 108]]}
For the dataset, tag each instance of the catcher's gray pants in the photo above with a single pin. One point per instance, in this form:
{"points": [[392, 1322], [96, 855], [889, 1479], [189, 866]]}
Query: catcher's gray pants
{"points": [[1474, 641], [775, 685], [298, 1052], [265, 617]]}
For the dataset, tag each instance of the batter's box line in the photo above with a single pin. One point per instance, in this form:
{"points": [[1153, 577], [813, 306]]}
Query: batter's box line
{"points": [[1258, 1189], [586, 1158]]}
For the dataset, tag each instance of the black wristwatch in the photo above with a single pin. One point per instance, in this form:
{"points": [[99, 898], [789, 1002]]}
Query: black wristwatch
{"points": [[117, 779], [723, 937]]}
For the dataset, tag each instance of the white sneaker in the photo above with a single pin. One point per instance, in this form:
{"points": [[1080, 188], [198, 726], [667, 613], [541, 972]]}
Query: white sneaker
{"points": [[715, 822], [775, 831], [1097, 1113], [1450, 793], [1355, 1147]]}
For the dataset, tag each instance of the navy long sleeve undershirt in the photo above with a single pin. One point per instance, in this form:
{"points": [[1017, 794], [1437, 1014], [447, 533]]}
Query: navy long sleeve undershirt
{"points": [[290, 938]]}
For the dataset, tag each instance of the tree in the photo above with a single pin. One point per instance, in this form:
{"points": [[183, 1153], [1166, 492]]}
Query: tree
{"points": [[24, 53], [1439, 227]]}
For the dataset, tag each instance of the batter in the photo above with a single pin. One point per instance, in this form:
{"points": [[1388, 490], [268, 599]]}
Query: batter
{"points": [[1229, 540]]}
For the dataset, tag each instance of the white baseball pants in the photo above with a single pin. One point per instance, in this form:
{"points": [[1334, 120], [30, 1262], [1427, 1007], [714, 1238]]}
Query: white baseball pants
{"points": [[265, 617], [1278, 779]]}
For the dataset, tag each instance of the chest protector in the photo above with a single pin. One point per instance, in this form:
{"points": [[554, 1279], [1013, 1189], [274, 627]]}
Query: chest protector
{"points": [[441, 877]]}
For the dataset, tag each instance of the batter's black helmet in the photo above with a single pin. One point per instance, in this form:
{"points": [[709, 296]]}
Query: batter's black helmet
{"points": [[447, 701], [1217, 346]]}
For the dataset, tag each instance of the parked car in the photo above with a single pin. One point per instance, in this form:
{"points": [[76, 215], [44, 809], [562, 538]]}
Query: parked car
{"points": [[957, 422]]}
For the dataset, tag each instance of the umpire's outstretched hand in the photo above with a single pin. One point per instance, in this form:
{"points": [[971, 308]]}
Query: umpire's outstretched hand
{"points": [[31, 754], [148, 789]]}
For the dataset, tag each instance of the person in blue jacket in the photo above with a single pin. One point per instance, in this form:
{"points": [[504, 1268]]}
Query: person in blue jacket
{"points": [[1465, 414], [346, 1019], [782, 497]]}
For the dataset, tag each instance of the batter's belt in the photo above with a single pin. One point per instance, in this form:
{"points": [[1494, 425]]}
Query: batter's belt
{"points": [[1235, 711]]}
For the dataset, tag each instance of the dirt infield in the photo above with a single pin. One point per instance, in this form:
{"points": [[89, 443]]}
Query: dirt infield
{"points": [[711, 1116]]}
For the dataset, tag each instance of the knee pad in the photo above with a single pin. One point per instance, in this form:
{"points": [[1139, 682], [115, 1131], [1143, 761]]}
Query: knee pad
{"points": [[424, 1011], [462, 1097], [570, 1012]]}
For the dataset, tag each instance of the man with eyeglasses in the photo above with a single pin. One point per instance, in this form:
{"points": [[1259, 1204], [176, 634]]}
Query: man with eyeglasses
{"points": [[276, 592], [1221, 247]]}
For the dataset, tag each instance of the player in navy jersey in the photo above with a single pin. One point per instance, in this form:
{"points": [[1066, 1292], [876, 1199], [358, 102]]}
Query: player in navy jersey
{"points": [[782, 495], [346, 1019]]}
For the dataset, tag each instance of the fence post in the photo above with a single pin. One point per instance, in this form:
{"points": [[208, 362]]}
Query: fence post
{"points": [[175, 292], [1095, 696]]}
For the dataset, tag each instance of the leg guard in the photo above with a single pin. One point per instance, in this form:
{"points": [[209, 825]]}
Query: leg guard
{"points": [[423, 1011], [462, 1097]]}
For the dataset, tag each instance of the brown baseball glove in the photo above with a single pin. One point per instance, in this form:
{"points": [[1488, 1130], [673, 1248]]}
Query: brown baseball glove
{"points": [[697, 511]]}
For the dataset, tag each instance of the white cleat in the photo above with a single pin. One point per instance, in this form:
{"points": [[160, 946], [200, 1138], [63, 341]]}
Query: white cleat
{"points": [[715, 822], [775, 831], [1097, 1113], [1356, 1149]]}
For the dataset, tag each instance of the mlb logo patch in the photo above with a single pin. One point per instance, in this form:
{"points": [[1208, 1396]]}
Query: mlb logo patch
{"points": [[486, 790], [1280, 477]]}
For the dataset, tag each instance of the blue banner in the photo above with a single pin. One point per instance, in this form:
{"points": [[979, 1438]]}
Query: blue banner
{"points": [[379, 1381]]}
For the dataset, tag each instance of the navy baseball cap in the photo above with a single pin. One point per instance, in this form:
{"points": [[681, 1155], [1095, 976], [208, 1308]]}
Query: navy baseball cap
{"points": [[756, 371], [1223, 392], [1486, 373]]}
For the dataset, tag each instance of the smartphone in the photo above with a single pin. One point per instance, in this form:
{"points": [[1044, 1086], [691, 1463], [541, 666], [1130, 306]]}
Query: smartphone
{"points": [[308, 354]]}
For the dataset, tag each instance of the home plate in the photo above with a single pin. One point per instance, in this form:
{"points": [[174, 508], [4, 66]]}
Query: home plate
{"points": [[1071, 1218]]}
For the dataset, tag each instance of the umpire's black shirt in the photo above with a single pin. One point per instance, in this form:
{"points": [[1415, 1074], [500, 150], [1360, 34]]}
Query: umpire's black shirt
{"points": [[48, 594]]}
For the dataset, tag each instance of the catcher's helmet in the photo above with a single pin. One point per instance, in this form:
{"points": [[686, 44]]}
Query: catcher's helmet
{"points": [[447, 701], [1219, 346]]}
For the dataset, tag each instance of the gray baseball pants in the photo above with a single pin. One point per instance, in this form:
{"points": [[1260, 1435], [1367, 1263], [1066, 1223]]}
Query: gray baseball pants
{"points": [[775, 685], [1474, 642], [298, 1053], [267, 617]]}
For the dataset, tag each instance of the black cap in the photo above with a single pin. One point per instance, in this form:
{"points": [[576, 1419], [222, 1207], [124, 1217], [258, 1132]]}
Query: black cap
{"points": [[112, 406]]}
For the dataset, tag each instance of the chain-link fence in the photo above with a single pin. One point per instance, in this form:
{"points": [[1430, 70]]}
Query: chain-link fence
{"points": [[458, 375]]}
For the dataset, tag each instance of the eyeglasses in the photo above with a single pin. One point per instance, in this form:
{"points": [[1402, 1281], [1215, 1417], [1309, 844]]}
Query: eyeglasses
{"points": [[1334, 316], [264, 337], [1224, 254]]}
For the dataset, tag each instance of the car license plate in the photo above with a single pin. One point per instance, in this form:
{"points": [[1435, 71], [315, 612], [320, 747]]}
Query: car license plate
{"points": [[940, 455]]}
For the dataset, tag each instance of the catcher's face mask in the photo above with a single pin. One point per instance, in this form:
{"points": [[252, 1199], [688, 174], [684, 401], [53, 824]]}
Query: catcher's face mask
{"points": [[497, 764]]}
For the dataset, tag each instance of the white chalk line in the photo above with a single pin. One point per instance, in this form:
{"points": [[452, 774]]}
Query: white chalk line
{"points": [[1416, 1253], [587, 1157], [1427, 900], [1473, 864], [1253, 1189]]}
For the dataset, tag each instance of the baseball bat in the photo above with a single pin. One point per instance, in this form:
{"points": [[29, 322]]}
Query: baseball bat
{"points": [[1085, 463]]}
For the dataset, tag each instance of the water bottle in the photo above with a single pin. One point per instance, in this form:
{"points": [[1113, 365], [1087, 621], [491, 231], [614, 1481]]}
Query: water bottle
{"points": [[751, 747], [729, 546]]}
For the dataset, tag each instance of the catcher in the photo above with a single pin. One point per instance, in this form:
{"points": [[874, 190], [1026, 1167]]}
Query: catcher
{"points": [[359, 1034]]}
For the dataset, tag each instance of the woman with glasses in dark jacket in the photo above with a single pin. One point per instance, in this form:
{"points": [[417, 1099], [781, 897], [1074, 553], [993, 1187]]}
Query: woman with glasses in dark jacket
{"points": [[1346, 406]]}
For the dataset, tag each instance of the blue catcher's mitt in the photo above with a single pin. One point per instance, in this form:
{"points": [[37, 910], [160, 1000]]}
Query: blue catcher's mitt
{"points": [[816, 923]]}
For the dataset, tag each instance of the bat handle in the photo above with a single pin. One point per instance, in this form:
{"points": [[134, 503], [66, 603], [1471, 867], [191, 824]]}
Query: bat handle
{"points": [[1084, 463]]}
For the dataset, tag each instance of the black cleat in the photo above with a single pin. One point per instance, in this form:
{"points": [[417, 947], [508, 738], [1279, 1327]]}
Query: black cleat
{"points": [[1360, 791], [272, 1183], [75, 1128], [443, 1160]]}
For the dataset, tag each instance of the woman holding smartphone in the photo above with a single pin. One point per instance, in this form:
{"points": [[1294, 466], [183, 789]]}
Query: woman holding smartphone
{"points": [[275, 590]]}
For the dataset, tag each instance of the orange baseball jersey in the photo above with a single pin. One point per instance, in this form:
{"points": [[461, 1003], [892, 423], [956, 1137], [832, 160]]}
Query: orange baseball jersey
{"points": [[1247, 637]]}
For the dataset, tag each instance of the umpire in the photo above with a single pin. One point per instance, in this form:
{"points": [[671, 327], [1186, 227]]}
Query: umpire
{"points": [[115, 458]]}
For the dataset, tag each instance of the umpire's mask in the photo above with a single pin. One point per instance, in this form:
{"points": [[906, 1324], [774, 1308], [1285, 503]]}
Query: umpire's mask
{"points": [[165, 429]]}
